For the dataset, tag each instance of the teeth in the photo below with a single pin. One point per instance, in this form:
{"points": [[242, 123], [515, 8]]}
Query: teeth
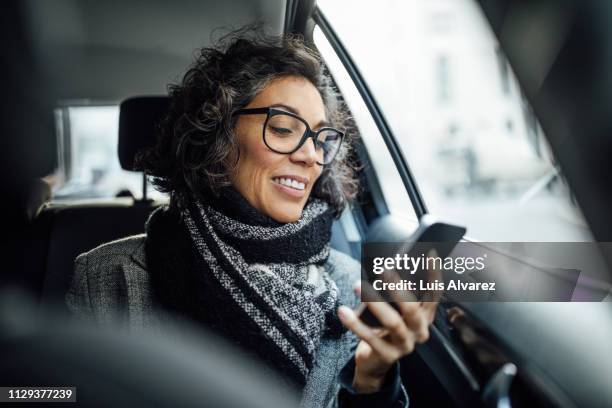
{"points": [[290, 183]]}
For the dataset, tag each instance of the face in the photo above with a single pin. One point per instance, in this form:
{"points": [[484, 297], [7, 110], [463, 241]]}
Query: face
{"points": [[260, 171]]}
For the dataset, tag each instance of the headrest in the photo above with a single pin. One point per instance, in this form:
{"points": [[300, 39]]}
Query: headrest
{"points": [[138, 120]]}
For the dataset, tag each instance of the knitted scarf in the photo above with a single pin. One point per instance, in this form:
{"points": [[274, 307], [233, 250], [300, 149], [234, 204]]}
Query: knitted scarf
{"points": [[259, 283]]}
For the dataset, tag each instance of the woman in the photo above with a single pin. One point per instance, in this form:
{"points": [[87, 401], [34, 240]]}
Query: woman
{"points": [[256, 165]]}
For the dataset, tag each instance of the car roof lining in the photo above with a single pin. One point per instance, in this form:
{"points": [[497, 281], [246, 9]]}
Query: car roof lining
{"points": [[108, 51]]}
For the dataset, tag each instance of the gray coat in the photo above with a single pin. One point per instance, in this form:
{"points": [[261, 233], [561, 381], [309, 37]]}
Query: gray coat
{"points": [[111, 285]]}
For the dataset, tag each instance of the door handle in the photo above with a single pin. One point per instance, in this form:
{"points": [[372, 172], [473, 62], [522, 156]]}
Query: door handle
{"points": [[496, 393]]}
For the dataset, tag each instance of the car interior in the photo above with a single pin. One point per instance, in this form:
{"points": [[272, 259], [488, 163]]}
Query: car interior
{"points": [[124, 54]]}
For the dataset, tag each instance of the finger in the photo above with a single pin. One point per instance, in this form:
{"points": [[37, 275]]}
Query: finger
{"points": [[387, 352], [381, 332], [394, 323], [429, 310], [415, 323], [412, 316], [408, 305], [418, 323], [409, 308], [405, 299], [415, 318]]}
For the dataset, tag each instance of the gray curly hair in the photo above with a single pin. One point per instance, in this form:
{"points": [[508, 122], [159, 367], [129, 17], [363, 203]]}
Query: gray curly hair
{"points": [[196, 150]]}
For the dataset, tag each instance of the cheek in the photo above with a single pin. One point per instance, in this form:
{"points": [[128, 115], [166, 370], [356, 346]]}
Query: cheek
{"points": [[265, 160], [256, 160]]}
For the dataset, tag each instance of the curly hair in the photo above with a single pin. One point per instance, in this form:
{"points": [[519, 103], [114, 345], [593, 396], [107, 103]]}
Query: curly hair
{"points": [[196, 150]]}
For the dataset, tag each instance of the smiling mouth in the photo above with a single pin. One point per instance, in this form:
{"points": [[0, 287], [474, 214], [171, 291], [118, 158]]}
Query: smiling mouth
{"points": [[291, 183]]}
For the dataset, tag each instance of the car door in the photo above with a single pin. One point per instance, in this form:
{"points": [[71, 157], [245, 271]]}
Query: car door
{"points": [[446, 129]]}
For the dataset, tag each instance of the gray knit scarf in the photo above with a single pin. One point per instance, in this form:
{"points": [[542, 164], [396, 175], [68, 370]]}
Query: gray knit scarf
{"points": [[274, 272]]}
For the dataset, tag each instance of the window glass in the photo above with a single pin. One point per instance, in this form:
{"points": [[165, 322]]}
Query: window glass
{"points": [[88, 163], [476, 149], [395, 194]]}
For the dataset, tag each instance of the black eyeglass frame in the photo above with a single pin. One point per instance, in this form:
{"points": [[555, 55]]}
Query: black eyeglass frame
{"points": [[308, 133]]}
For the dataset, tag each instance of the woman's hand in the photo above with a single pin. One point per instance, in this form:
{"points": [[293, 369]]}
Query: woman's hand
{"points": [[380, 348]]}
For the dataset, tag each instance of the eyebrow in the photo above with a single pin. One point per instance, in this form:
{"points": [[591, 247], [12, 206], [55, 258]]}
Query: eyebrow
{"points": [[321, 124]]}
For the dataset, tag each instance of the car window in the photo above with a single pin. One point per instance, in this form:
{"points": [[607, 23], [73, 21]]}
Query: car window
{"points": [[381, 162], [88, 161], [478, 154]]}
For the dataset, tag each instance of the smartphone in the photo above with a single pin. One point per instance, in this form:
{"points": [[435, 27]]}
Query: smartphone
{"points": [[430, 234]]}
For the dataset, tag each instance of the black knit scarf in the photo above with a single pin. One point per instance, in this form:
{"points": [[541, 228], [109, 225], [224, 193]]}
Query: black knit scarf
{"points": [[259, 283]]}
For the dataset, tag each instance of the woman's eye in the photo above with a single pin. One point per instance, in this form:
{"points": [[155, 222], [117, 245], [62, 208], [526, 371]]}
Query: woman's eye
{"points": [[281, 131]]}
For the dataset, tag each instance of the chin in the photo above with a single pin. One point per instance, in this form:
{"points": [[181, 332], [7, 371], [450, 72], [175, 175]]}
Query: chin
{"points": [[286, 215]]}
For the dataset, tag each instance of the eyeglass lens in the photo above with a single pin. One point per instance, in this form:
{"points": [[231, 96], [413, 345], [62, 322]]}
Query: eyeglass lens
{"points": [[283, 134]]}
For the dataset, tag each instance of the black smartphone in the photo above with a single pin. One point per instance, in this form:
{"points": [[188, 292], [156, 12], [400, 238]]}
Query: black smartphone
{"points": [[430, 234]]}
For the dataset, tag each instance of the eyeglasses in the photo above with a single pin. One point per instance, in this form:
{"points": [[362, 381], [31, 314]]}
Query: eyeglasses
{"points": [[285, 133]]}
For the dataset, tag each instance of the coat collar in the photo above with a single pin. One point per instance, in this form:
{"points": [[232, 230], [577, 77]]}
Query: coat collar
{"points": [[138, 254]]}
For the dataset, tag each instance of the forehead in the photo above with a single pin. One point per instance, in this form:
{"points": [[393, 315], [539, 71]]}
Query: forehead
{"points": [[295, 92]]}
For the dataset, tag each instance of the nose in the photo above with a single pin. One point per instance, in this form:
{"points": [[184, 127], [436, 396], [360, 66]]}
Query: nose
{"points": [[306, 154]]}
